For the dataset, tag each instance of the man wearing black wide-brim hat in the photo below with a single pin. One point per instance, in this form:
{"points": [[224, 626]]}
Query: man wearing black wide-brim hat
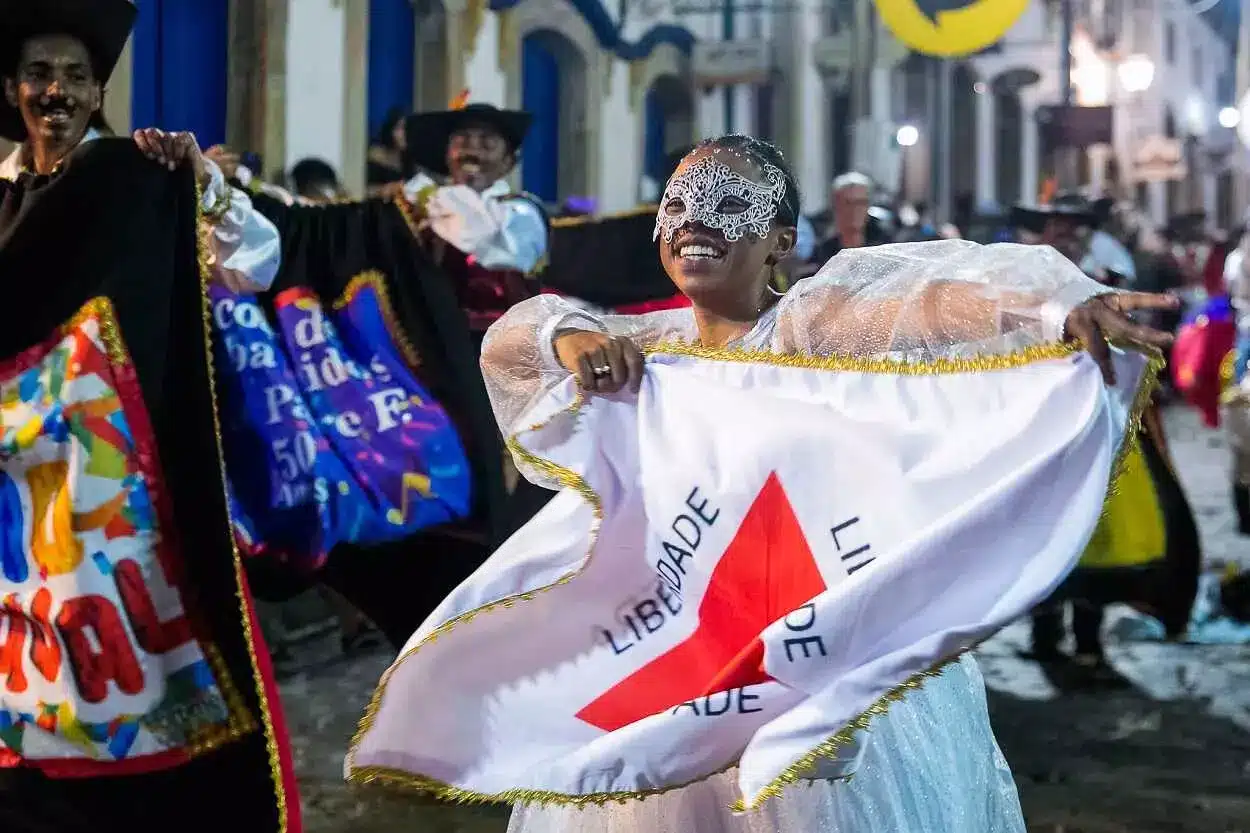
{"points": [[1063, 223], [56, 56], [489, 238], [121, 707], [1073, 225]]}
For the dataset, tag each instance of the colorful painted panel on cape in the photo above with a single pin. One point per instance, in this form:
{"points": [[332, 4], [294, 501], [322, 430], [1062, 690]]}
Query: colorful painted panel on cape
{"points": [[98, 662], [330, 437]]}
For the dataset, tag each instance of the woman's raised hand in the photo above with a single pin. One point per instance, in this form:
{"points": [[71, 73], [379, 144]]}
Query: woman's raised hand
{"points": [[601, 363], [1105, 318]]}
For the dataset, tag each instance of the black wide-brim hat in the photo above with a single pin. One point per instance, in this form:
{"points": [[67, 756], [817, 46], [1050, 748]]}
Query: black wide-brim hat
{"points": [[1066, 206], [428, 134], [103, 26]]}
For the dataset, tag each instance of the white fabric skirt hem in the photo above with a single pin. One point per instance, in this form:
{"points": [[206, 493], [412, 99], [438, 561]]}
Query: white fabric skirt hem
{"points": [[931, 764]]}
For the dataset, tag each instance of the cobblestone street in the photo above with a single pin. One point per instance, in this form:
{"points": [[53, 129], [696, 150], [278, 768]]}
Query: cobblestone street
{"points": [[1171, 754]]}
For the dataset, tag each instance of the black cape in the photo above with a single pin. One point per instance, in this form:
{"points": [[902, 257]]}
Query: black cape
{"points": [[113, 224], [607, 261], [323, 247]]}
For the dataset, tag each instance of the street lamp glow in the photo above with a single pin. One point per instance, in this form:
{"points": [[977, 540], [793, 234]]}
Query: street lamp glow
{"points": [[1229, 117], [1137, 73], [907, 136], [1243, 122], [1091, 74], [1196, 115]]}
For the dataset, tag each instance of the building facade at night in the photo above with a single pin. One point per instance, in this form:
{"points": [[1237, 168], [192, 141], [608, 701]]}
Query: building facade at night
{"points": [[615, 85]]}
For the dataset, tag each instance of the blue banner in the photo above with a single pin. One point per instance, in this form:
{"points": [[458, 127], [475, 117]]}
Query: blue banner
{"points": [[329, 436]]}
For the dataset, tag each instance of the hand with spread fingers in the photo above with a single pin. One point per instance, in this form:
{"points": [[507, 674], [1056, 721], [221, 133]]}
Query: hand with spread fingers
{"points": [[173, 149], [1105, 318], [601, 363]]}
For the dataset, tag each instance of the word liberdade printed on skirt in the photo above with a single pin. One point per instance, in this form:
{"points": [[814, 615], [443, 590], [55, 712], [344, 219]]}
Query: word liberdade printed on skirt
{"points": [[681, 542], [678, 547]]}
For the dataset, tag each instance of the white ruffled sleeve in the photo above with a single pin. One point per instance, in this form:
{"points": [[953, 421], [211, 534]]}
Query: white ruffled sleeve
{"points": [[945, 299], [246, 242], [519, 362]]}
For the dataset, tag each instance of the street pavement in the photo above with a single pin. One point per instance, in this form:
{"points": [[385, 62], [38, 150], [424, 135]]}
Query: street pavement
{"points": [[1168, 754]]}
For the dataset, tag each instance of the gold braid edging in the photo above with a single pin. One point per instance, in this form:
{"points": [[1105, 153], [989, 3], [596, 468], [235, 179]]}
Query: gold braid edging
{"points": [[421, 784], [375, 280], [407, 211], [205, 257]]}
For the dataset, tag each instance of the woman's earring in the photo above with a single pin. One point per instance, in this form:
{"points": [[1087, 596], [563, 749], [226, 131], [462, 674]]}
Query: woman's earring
{"points": [[778, 280]]}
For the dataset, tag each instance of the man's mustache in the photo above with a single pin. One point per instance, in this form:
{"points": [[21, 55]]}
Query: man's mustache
{"points": [[57, 102]]}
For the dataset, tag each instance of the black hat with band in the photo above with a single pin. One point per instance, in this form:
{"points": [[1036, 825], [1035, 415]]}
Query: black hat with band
{"points": [[103, 26]]}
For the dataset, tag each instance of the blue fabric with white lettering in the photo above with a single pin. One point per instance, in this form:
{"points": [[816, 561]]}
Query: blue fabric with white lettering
{"points": [[329, 437]]}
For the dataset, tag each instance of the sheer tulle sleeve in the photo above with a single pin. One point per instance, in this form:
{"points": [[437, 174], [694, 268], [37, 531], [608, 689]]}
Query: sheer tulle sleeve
{"points": [[518, 361], [946, 299]]}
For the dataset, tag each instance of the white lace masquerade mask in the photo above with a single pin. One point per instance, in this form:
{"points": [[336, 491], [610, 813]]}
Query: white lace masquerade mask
{"points": [[705, 185]]}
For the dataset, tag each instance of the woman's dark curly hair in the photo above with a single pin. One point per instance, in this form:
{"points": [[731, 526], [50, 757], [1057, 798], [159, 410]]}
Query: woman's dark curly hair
{"points": [[762, 153]]}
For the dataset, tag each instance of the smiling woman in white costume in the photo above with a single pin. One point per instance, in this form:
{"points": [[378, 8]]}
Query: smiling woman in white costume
{"points": [[727, 219]]}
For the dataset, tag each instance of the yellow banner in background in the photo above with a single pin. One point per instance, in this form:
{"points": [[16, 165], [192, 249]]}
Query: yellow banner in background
{"points": [[950, 28]]}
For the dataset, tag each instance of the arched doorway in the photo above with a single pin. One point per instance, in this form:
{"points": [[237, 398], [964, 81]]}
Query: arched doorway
{"points": [[668, 123], [392, 53], [553, 91], [181, 70]]}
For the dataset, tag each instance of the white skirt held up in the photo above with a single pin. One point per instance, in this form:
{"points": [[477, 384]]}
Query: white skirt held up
{"points": [[931, 766]]}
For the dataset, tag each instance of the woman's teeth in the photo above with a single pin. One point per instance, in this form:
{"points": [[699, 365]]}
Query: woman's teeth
{"points": [[698, 252]]}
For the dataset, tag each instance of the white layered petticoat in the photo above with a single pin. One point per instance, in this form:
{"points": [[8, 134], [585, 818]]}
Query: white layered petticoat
{"points": [[931, 766]]}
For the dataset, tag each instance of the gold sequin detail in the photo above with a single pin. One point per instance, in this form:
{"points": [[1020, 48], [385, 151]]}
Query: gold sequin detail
{"points": [[410, 210], [220, 207], [375, 280], [903, 367], [205, 257]]}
